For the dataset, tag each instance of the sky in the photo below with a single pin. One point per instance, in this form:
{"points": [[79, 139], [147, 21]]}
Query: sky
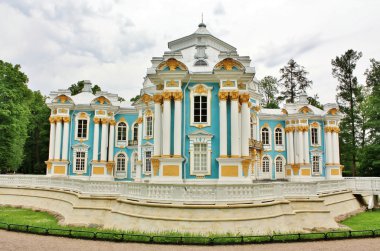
{"points": [[111, 42]]}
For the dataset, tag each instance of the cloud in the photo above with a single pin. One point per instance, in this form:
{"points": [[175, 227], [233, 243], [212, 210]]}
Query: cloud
{"points": [[274, 55], [219, 9]]}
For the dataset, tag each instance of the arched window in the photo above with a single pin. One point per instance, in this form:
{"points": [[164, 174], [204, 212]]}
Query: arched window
{"points": [[279, 164], [149, 126], [200, 63], [135, 131], [265, 136], [121, 132], [120, 162], [265, 165], [278, 136], [135, 159], [314, 136], [252, 128]]}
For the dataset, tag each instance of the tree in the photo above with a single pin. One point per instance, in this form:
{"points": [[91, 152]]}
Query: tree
{"points": [[78, 87], [134, 99], [269, 87], [349, 97], [294, 81], [369, 157], [36, 148], [14, 115], [314, 101]]}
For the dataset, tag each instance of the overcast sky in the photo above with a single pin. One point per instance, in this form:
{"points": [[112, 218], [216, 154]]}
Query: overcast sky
{"points": [[111, 43]]}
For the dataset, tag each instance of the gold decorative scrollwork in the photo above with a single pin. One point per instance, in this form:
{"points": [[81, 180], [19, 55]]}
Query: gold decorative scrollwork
{"points": [[244, 98], [234, 95], [166, 95], [146, 98], [139, 120], [177, 96], [228, 64], [200, 89], [223, 95], [96, 120], [157, 98]]}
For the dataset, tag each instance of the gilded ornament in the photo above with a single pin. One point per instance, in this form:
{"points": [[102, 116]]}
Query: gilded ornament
{"points": [[228, 64], [112, 122], [159, 87], [289, 129], [244, 98], [101, 112], [66, 119], [172, 64], [63, 98], [333, 111], [200, 89], [82, 115], [96, 120], [156, 166], [172, 83], [177, 96], [303, 121], [62, 110], [234, 95], [256, 108], [304, 110], [146, 98], [139, 120], [102, 100], [105, 121], [314, 124], [223, 95], [110, 113], [242, 86], [228, 83], [157, 98], [52, 120], [284, 111], [166, 95], [148, 113]]}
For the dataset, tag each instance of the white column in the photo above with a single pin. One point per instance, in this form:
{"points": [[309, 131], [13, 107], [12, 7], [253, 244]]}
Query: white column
{"points": [[329, 159], [139, 152], [295, 148], [52, 138], [157, 124], [111, 140], [336, 148], [234, 125], [287, 145], [239, 130], [104, 142], [300, 147], [166, 124], [65, 143], [177, 123], [245, 128], [291, 148], [223, 124], [96, 140], [57, 147], [306, 146]]}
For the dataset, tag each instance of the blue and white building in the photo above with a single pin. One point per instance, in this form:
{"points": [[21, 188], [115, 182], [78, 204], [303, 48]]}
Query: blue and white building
{"points": [[198, 119]]}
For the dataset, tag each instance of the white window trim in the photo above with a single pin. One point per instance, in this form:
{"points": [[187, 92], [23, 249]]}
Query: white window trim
{"points": [[133, 133], [133, 172], [121, 174], [318, 135], [80, 148], [283, 163], [282, 146], [120, 143], [269, 146], [320, 155], [268, 174], [148, 114], [208, 95], [77, 118], [200, 139], [229, 87], [148, 149]]}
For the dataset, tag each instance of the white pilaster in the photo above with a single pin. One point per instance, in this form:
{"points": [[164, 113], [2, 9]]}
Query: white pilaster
{"points": [[96, 140], [157, 125], [52, 138], [65, 143], [139, 152], [300, 147], [104, 143], [336, 148], [245, 129], [328, 148], [291, 148], [223, 125], [111, 140], [57, 146], [306, 147], [177, 123], [166, 127], [296, 147], [235, 127]]}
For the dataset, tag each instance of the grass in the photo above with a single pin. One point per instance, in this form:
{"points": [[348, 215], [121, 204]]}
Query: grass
{"points": [[369, 220], [27, 220]]}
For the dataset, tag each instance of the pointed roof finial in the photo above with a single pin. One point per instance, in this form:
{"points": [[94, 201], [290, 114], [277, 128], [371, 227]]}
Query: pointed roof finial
{"points": [[202, 24]]}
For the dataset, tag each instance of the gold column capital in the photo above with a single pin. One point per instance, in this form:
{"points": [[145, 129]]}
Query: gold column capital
{"points": [[234, 95], [177, 95], [52, 120], [105, 121], [166, 95], [66, 119], [157, 98], [244, 98], [112, 122], [223, 95], [96, 120], [139, 120]]}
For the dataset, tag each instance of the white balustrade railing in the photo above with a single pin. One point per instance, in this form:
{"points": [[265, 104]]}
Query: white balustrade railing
{"points": [[194, 192]]}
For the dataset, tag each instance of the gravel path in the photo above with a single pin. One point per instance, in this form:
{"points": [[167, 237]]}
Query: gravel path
{"points": [[21, 241]]}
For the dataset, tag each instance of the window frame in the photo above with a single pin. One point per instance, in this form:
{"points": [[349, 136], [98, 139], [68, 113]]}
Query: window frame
{"points": [[204, 138], [319, 164], [133, 127], [283, 162], [121, 143], [148, 114], [134, 161], [205, 91], [82, 116], [147, 159], [268, 167], [80, 148], [200, 156]]}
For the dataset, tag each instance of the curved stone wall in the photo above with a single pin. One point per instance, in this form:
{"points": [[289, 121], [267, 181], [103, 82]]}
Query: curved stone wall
{"points": [[255, 217]]}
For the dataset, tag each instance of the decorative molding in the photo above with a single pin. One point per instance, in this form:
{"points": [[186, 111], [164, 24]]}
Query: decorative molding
{"points": [[234, 95], [177, 96], [157, 98], [228, 64], [223, 95], [244, 98]]}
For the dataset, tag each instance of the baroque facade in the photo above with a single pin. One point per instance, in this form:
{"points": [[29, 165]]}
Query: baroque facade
{"points": [[198, 119]]}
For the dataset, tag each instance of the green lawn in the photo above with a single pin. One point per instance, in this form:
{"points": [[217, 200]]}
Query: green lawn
{"points": [[369, 220]]}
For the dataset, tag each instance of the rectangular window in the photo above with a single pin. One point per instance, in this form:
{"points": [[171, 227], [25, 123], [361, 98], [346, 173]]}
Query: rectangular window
{"points": [[149, 126], [200, 157], [82, 128], [200, 109], [148, 163], [316, 164], [314, 136], [122, 132], [80, 158]]}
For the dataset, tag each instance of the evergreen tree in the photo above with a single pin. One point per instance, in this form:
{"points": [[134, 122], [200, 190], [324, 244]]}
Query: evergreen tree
{"points": [[269, 88], [314, 101], [349, 97], [14, 115], [294, 80], [78, 87]]}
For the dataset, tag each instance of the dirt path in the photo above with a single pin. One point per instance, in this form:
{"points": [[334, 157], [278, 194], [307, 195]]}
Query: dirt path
{"points": [[21, 241]]}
